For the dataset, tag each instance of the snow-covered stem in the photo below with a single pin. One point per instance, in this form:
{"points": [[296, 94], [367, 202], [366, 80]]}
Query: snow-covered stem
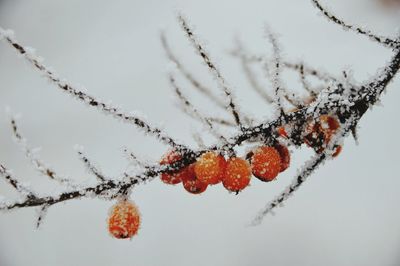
{"points": [[310, 71], [249, 73], [37, 163], [212, 67], [342, 99], [185, 73], [81, 96], [21, 189], [309, 168], [373, 89], [193, 111], [380, 39], [306, 85], [134, 158], [90, 165], [276, 68], [41, 215], [293, 65]]}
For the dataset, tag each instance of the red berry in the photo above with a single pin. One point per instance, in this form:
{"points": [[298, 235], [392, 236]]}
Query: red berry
{"points": [[285, 156], [210, 168], [124, 220], [266, 163], [192, 184], [173, 178], [237, 174]]}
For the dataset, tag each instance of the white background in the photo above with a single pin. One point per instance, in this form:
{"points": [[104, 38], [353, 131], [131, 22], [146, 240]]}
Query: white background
{"points": [[346, 214]]}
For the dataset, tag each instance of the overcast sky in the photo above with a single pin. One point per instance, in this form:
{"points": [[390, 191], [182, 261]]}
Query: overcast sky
{"points": [[347, 212]]}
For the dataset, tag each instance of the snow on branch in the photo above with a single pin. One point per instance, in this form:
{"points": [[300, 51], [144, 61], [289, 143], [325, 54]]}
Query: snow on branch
{"points": [[20, 188], [89, 164], [31, 154], [211, 66], [192, 110], [195, 83], [308, 169], [277, 69], [250, 75], [321, 123], [80, 95], [380, 39]]}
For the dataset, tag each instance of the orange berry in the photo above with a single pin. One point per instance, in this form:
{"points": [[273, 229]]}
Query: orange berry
{"points": [[173, 178], [190, 182], [124, 220], [285, 156], [266, 163], [210, 168], [237, 174]]}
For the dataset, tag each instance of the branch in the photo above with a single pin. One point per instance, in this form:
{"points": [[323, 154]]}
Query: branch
{"points": [[195, 83], [345, 101], [276, 80], [191, 109], [8, 176], [214, 70], [382, 40], [250, 75], [28, 54], [308, 169], [89, 165], [37, 163]]}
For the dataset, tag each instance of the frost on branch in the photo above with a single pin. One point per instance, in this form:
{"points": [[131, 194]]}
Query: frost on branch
{"points": [[330, 113]]}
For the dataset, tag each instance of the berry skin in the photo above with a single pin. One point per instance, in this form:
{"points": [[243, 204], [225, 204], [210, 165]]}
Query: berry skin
{"points": [[266, 163], [237, 174], [191, 184], [285, 156], [124, 220], [210, 168], [173, 178]]}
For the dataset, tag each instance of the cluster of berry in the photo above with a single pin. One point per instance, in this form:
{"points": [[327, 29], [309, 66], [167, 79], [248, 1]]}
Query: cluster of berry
{"points": [[212, 168], [318, 133]]}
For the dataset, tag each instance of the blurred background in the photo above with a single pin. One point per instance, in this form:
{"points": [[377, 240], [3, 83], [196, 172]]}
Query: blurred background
{"points": [[347, 212]]}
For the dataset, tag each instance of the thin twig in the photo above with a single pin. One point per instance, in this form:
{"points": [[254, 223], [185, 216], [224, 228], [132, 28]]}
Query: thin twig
{"points": [[211, 66]]}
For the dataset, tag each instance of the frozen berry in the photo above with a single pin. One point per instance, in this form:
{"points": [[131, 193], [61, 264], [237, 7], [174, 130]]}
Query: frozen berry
{"points": [[237, 174], [266, 163], [210, 168], [192, 184], [176, 177], [124, 220]]}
